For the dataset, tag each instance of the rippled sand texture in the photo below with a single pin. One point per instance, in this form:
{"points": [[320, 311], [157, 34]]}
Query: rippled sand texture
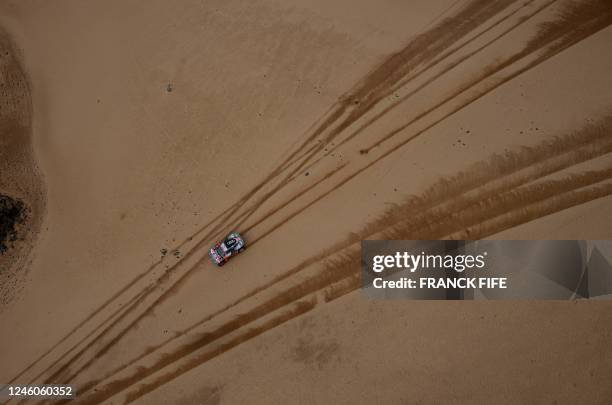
{"points": [[21, 190]]}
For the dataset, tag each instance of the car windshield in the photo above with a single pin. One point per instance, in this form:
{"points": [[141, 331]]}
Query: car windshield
{"points": [[219, 251]]}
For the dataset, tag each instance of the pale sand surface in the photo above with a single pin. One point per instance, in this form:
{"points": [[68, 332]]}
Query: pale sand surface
{"points": [[131, 168]]}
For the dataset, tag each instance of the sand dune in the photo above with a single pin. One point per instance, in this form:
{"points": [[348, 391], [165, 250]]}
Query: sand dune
{"points": [[161, 127], [21, 190]]}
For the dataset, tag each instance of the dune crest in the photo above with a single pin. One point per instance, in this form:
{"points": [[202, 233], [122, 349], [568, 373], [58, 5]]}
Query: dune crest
{"points": [[21, 187]]}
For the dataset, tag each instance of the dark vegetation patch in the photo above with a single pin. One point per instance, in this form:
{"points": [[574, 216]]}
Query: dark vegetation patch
{"points": [[12, 213]]}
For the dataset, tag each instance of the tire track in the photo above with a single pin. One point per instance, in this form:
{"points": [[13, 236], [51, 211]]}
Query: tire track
{"points": [[415, 53], [527, 203], [566, 40], [429, 81], [104, 306], [417, 74], [475, 12], [414, 56], [592, 139], [564, 201], [350, 177], [245, 199], [60, 373], [569, 34], [577, 22]]}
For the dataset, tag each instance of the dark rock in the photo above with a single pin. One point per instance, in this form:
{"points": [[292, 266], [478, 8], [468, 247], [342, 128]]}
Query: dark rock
{"points": [[12, 213]]}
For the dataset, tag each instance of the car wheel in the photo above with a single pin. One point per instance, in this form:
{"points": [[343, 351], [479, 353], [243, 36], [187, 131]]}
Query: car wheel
{"points": [[221, 264]]}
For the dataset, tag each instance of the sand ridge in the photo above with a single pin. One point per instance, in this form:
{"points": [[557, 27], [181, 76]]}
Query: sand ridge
{"points": [[21, 188]]}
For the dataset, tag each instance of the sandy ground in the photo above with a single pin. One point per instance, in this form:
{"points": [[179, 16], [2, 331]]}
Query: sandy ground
{"points": [[308, 127], [22, 193]]}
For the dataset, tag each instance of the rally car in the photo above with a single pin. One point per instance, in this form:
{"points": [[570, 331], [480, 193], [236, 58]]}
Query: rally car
{"points": [[221, 252]]}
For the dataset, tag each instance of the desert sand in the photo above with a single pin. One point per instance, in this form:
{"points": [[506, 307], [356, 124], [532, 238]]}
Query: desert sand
{"points": [[154, 126]]}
